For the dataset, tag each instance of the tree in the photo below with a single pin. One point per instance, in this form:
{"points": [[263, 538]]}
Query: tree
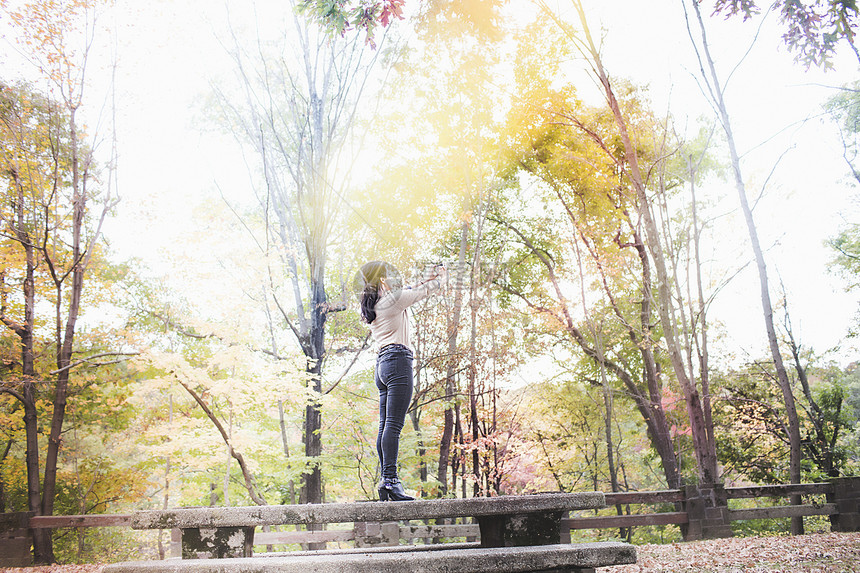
{"points": [[750, 417], [704, 447], [615, 335], [823, 401], [618, 142], [53, 181], [844, 108], [754, 438], [813, 30], [299, 100], [342, 16], [47, 216], [715, 90], [217, 378]]}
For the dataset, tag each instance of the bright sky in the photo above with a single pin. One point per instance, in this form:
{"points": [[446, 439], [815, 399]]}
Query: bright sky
{"points": [[168, 57]]}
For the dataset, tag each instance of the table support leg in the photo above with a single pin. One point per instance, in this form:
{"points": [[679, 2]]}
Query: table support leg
{"points": [[520, 529]]}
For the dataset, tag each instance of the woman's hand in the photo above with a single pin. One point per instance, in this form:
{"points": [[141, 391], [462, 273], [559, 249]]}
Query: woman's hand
{"points": [[437, 272]]}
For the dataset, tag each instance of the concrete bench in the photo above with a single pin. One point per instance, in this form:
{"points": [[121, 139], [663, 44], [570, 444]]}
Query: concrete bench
{"points": [[518, 533], [555, 558], [503, 521]]}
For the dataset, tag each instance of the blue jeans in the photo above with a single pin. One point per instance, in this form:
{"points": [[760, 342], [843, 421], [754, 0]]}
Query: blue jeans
{"points": [[394, 381]]}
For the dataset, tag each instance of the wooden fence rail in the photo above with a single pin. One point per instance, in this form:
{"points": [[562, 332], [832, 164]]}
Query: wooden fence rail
{"points": [[701, 511], [779, 490], [91, 520], [633, 498], [715, 513]]}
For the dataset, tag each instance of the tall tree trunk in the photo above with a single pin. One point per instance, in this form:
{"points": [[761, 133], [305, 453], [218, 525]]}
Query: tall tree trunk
{"points": [[473, 400], [451, 373], [312, 490], [286, 444], [474, 304], [312, 484], [65, 343], [495, 484], [42, 548], [458, 461], [705, 451], [717, 97], [601, 362], [313, 487], [623, 532], [415, 410], [662, 435], [2, 488], [702, 314], [166, 498], [226, 486]]}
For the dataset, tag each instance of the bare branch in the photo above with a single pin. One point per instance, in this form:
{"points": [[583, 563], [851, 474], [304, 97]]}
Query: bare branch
{"points": [[89, 359], [364, 345], [179, 328], [250, 483], [14, 393]]}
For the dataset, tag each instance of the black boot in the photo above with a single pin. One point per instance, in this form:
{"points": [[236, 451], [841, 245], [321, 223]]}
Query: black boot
{"points": [[392, 489]]}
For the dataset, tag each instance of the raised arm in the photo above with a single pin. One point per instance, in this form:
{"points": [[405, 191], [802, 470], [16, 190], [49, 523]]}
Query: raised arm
{"points": [[407, 297]]}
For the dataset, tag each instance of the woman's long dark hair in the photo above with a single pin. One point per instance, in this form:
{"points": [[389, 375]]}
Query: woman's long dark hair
{"points": [[369, 298], [372, 274]]}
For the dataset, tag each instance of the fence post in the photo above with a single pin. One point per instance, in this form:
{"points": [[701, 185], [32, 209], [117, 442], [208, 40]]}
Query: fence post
{"points": [[176, 542], [846, 496], [707, 512], [15, 540]]}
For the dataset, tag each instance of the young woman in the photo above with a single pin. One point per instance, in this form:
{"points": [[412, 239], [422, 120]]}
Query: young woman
{"points": [[384, 305]]}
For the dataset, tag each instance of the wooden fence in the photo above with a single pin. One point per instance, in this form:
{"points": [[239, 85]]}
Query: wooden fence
{"points": [[701, 511]]}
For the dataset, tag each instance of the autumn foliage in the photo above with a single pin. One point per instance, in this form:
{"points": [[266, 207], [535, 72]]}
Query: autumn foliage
{"points": [[574, 348]]}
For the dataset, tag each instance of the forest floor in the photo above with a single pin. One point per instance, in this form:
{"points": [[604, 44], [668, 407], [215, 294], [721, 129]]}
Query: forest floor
{"points": [[823, 552]]}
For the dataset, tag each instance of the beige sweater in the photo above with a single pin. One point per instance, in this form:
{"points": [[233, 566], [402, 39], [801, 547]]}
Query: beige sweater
{"points": [[391, 325]]}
